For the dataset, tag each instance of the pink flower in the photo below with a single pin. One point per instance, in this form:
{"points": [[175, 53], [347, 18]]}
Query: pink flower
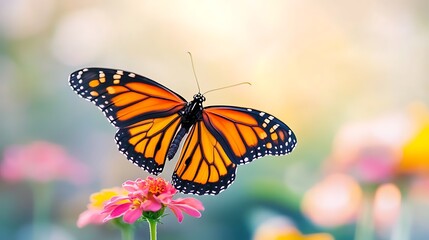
{"points": [[150, 195], [370, 150], [131, 208], [41, 162]]}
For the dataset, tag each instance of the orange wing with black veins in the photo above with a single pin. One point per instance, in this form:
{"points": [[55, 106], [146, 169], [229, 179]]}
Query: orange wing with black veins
{"points": [[144, 111]]}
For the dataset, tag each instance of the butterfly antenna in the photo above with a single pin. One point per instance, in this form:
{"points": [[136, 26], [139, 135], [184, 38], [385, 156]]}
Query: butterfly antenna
{"points": [[193, 70], [233, 85]]}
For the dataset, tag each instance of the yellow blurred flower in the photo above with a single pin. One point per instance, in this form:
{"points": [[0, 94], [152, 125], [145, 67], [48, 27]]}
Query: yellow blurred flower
{"points": [[415, 159], [93, 213], [97, 199]]}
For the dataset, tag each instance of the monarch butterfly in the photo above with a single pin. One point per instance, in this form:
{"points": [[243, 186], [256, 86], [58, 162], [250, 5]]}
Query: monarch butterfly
{"points": [[151, 121]]}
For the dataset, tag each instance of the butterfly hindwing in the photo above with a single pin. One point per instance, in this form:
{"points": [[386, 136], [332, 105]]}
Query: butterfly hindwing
{"points": [[144, 111], [146, 143], [204, 167]]}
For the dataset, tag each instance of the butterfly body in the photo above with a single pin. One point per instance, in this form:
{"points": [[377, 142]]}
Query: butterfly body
{"points": [[191, 113], [152, 120]]}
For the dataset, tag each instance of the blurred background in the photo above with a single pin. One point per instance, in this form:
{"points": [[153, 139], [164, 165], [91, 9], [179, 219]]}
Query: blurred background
{"points": [[349, 77]]}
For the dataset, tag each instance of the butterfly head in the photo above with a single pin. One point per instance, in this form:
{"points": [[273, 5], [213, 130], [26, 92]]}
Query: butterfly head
{"points": [[193, 111], [199, 97]]}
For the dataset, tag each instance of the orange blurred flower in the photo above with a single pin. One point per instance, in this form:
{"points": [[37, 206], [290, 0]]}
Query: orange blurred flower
{"points": [[280, 229]]}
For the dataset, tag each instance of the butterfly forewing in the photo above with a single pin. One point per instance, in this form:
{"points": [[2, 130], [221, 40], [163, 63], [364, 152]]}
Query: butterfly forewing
{"points": [[144, 111], [248, 134], [124, 97]]}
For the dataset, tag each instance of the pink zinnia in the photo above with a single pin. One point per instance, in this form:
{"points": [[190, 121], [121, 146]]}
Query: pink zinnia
{"points": [[150, 195]]}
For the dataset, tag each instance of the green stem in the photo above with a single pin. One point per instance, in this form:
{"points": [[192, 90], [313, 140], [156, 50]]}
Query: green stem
{"points": [[42, 202], [365, 223], [152, 228], [127, 232], [402, 228]]}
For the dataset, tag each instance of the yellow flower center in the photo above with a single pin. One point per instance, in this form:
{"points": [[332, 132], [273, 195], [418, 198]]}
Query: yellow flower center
{"points": [[136, 204]]}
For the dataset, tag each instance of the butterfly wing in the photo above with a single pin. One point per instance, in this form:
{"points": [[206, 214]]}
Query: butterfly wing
{"points": [[146, 143], [145, 112], [204, 167], [226, 137], [124, 97], [248, 133]]}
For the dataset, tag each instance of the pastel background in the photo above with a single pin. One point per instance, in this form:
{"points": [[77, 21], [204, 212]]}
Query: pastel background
{"points": [[351, 78]]}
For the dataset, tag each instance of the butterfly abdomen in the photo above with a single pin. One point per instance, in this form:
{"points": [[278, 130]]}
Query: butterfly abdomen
{"points": [[190, 115], [174, 146]]}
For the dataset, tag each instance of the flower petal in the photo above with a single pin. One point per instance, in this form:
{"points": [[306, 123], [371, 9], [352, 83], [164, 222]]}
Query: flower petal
{"points": [[90, 216], [177, 212], [151, 205], [132, 215], [165, 198], [116, 211], [115, 202], [189, 210], [191, 206], [129, 187], [120, 210], [195, 203]]}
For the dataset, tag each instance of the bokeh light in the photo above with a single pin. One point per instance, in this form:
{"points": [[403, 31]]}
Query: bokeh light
{"points": [[387, 205], [87, 29], [334, 201]]}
